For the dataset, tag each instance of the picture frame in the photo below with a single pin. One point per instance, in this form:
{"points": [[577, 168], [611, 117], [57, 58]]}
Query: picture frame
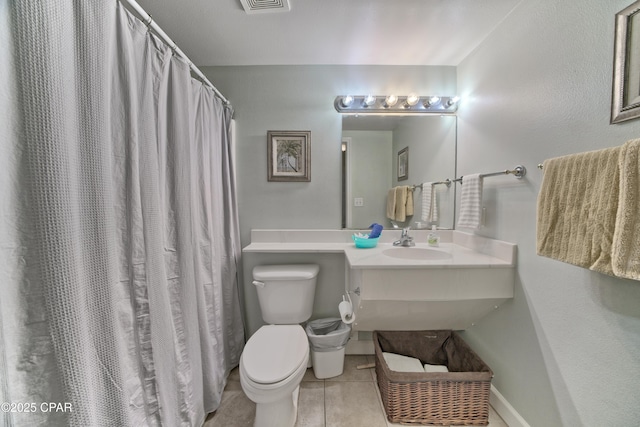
{"points": [[403, 164], [625, 101], [289, 156]]}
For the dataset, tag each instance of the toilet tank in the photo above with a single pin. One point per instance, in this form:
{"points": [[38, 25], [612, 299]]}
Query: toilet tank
{"points": [[286, 292]]}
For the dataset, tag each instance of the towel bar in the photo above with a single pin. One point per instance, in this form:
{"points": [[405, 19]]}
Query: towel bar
{"points": [[446, 182], [519, 171]]}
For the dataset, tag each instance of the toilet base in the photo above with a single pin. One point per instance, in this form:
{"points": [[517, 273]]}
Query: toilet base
{"points": [[282, 413]]}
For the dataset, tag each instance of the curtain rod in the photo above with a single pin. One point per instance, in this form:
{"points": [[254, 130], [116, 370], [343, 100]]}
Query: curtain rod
{"points": [[148, 20]]}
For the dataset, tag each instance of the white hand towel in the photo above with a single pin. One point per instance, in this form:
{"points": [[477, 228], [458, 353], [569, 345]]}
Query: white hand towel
{"points": [[429, 203], [471, 202]]}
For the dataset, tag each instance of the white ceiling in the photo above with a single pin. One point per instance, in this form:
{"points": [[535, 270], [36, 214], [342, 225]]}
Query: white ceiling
{"points": [[348, 32]]}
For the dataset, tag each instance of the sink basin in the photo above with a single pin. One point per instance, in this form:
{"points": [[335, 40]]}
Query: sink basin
{"points": [[416, 253]]}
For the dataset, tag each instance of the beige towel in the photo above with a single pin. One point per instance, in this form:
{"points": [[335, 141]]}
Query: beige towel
{"points": [[577, 208], [409, 203], [391, 204], [401, 203], [626, 239]]}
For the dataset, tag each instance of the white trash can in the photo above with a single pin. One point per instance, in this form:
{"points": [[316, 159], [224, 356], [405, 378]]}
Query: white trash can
{"points": [[327, 339]]}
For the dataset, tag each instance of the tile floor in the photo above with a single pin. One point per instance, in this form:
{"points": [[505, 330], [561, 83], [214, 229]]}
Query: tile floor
{"points": [[350, 400]]}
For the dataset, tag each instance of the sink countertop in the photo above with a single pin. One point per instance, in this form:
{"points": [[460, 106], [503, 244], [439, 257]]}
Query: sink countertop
{"points": [[467, 250], [461, 257], [301, 247]]}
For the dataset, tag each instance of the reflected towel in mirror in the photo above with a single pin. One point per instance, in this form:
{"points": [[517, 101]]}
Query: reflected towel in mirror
{"points": [[391, 204], [429, 203], [399, 203]]}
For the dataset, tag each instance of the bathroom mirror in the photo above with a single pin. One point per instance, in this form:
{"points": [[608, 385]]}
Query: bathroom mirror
{"points": [[374, 146]]}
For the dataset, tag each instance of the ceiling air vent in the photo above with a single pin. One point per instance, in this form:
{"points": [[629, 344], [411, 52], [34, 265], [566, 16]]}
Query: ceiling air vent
{"points": [[265, 6]]}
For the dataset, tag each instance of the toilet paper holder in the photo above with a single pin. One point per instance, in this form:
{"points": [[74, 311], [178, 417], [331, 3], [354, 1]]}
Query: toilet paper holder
{"points": [[346, 310]]}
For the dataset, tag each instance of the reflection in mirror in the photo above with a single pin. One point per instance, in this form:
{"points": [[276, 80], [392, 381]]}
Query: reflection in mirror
{"points": [[370, 146]]}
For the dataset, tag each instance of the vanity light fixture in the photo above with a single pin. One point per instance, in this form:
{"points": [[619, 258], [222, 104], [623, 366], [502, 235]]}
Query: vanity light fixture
{"points": [[393, 104]]}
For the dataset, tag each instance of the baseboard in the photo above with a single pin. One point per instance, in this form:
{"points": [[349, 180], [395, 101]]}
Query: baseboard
{"points": [[505, 410]]}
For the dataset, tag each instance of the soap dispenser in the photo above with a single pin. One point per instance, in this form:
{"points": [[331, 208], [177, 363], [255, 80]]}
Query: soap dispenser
{"points": [[433, 239]]}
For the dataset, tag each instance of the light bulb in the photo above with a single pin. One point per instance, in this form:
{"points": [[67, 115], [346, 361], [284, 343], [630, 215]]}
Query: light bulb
{"points": [[347, 101], [431, 101], [390, 101], [368, 101], [453, 101], [412, 99]]}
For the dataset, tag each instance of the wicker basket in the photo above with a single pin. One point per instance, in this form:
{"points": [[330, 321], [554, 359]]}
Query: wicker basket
{"points": [[457, 397]]}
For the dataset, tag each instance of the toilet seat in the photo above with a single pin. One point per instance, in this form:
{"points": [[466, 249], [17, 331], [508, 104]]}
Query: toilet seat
{"points": [[274, 353]]}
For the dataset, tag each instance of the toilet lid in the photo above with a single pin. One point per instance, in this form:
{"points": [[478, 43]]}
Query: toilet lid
{"points": [[274, 352]]}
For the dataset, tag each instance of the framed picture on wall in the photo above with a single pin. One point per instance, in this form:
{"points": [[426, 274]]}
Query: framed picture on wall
{"points": [[403, 164], [625, 101], [289, 155]]}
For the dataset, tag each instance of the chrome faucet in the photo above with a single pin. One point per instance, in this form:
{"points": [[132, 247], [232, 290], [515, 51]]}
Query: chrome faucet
{"points": [[405, 239]]}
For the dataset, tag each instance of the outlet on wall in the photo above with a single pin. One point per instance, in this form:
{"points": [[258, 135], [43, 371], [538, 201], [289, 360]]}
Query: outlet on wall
{"points": [[358, 201]]}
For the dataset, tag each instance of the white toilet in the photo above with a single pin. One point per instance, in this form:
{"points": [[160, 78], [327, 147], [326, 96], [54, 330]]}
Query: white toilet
{"points": [[275, 358]]}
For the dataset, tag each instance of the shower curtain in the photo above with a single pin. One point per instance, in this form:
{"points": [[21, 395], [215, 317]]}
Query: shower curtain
{"points": [[118, 225]]}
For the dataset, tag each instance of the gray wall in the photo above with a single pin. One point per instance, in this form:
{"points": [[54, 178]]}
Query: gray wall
{"points": [[301, 98], [566, 350]]}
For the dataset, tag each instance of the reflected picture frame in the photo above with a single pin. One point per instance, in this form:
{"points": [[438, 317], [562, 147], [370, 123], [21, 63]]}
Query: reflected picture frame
{"points": [[288, 156], [403, 164], [625, 101]]}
